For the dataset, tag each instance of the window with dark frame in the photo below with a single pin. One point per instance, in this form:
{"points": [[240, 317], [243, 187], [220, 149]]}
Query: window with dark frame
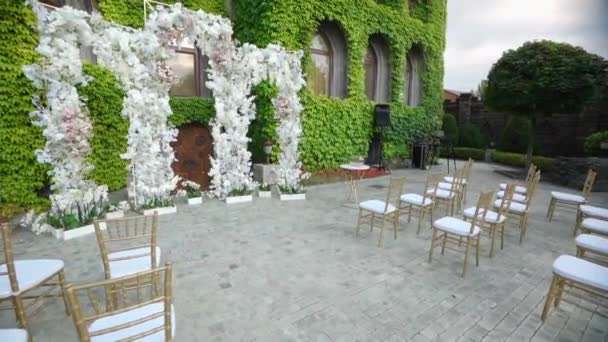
{"points": [[371, 73], [320, 75]]}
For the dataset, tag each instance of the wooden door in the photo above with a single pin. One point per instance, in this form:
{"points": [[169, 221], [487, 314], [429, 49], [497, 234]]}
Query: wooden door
{"points": [[193, 148]]}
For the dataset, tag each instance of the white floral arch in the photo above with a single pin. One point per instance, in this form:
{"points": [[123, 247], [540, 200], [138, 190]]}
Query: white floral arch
{"points": [[139, 60]]}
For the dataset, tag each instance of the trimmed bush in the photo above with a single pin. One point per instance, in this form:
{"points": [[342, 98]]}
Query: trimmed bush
{"points": [[592, 142], [450, 128], [470, 136], [519, 160], [466, 153]]}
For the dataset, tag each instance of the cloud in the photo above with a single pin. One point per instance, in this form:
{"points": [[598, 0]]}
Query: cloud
{"points": [[479, 31]]}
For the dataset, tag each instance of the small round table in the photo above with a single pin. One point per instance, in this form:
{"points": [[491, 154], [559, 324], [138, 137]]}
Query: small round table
{"points": [[353, 181]]}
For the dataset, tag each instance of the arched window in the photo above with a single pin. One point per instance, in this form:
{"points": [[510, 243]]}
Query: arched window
{"points": [[327, 74], [371, 73], [413, 82], [377, 70], [320, 76]]}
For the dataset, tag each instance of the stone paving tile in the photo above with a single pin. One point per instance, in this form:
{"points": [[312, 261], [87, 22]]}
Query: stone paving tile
{"points": [[294, 271]]}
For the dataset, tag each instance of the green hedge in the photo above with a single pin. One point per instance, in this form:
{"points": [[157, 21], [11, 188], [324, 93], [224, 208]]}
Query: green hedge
{"points": [[593, 141], [103, 97], [191, 110], [21, 176], [517, 159], [466, 153]]}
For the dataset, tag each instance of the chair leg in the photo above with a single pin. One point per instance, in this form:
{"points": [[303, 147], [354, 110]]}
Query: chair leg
{"points": [[550, 298], [381, 231], [502, 236], [559, 292], [464, 193], [395, 223], [371, 223], [466, 257], [477, 250], [579, 252], [493, 238], [20, 312], [358, 223], [521, 229], [579, 220], [445, 240], [552, 210], [431, 215], [551, 203], [409, 214], [433, 237], [421, 213], [61, 276]]}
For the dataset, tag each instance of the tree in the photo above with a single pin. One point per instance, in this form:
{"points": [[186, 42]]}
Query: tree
{"points": [[450, 128], [544, 77], [481, 89]]}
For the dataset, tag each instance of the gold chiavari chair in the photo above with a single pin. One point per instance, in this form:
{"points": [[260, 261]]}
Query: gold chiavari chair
{"points": [[141, 308], [27, 283], [522, 188], [128, 245], [420, 204], [452, 196], [570, 201], [522, 210], [452, 229], [494, 221], [371, 210], [447, 180]]}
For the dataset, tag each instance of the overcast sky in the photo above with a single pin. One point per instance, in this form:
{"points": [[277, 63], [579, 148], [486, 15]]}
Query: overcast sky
{"points": [[480, 30]]}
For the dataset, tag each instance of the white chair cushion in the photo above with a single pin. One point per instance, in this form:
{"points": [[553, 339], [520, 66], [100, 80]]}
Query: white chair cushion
{"points": [[455, 226], [566, 197], [516, 197], [581, 271], [442, 193], [518, 188], [130, 316], [515, 207], [13, 335], [416, 199], [121, 268], [491, 216], [594, 211], [595, 225], [593, 243], [377, 206], [449, 179], [29, 274]]}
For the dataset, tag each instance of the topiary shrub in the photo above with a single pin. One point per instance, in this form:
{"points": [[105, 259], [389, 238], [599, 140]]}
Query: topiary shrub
{"points": [[514, 137], [470, 136], [519, 160], [450, 128], [103, 97], [593, 141]]}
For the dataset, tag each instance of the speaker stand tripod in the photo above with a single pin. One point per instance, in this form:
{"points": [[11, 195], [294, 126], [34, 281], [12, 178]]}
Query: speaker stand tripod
{"points": [[381, 164]]}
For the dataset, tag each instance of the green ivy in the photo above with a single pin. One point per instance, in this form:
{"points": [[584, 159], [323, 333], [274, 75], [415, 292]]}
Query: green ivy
{"points": [[335, 130], [103, 97], [21, 176], [131, 12], [191, 110]]}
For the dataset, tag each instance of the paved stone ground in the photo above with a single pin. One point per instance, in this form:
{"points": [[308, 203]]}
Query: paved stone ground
{"points": [[294, 271]]}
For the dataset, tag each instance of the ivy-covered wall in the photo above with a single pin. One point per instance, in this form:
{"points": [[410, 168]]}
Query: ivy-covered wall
{"points": [[103, 97], [21, 176], [335, 130]]}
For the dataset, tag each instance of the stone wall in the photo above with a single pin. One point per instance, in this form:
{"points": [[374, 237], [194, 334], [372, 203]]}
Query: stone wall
{"points": [[571, 172], [559, 134]]}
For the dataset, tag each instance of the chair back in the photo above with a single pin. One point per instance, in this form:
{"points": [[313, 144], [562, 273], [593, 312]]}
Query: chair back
{"points": [[395, 189], [483, 205], [6, 253], [432, 183], [531, 173], [458, 181], [588, 186], [507, 198], [532, 188], [151, 289], [124, 234]]}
